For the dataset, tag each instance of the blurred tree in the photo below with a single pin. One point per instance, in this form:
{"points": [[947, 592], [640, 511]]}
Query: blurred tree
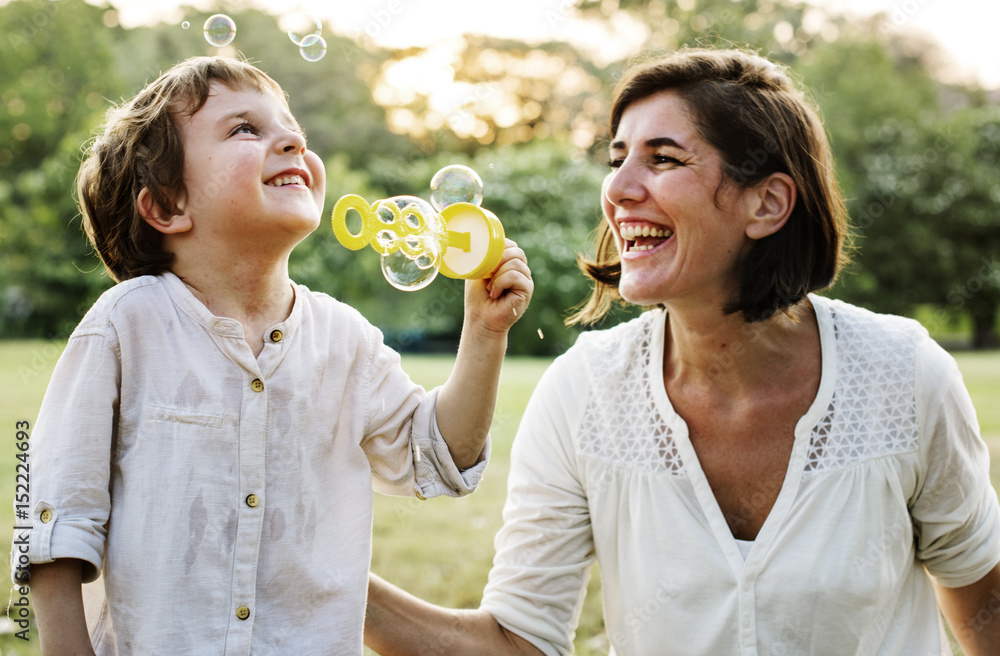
{"points": [[66, 63], [531, 119], [486, 91], [476, 90], [59, 69], [967, 203], [915, 169]]}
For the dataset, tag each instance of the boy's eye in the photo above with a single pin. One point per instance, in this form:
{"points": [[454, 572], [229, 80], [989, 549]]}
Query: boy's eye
{"points": [[244, 128]]}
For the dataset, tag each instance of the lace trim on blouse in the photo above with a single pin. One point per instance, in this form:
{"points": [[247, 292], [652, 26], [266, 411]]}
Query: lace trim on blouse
{"points": [[872, 413]]}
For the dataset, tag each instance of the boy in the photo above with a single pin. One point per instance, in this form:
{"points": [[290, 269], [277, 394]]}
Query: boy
{"points": [[213, 431]]}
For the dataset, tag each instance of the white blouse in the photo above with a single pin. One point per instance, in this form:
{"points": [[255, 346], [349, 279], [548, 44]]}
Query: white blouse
{"points": [[888, 480]]}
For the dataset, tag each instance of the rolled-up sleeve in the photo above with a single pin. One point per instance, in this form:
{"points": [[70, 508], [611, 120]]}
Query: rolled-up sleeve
{"points": [[545, 548], [408, 454], [71, 449], [955, 514]]}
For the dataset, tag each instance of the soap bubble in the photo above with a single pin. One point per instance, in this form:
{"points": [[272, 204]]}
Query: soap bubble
{"points": [[220, 30], [456, 184], [410, 274], [300, 26], [386, 238], [313, 48], [416, 229], [185, 25]]}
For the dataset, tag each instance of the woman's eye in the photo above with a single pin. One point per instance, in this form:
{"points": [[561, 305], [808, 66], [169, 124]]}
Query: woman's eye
{"points": [[615, 162], [665, 159]]}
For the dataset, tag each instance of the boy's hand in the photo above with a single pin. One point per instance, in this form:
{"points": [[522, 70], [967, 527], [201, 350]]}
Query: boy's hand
{"points": [[466, 402], [496, 303]]}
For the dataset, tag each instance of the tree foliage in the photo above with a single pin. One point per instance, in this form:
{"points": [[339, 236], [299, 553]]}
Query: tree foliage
{"points": [[917, 158]]}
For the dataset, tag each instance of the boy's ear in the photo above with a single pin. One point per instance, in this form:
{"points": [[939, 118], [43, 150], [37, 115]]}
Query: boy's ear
{"points": [[159, 218], [771, 203]]}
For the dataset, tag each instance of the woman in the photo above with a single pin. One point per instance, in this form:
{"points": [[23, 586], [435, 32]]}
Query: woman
{"points": [[757, 469]]}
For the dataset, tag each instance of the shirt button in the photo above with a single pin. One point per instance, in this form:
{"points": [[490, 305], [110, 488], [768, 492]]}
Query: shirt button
{"points": [[243, 612], [46, 516], [276, 335], [257, 385], [253, 501]]}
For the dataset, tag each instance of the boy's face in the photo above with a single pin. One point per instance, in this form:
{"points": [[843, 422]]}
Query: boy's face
{"points": [[247, 172]]}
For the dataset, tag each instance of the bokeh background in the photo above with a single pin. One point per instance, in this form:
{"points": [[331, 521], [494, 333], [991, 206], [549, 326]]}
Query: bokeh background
{"points": [[915, 129], [518, 90]]}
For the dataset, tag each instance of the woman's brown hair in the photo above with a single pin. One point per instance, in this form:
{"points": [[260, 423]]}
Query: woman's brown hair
{"points": [[141, 147], [749, 110]]}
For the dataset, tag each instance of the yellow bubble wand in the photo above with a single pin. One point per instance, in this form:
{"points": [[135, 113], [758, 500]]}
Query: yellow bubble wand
{"points": [[416, 239]]}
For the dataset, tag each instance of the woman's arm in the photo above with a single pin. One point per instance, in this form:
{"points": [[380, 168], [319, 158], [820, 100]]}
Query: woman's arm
{"points": [[57, 597], [399, 624], [973, 611]]}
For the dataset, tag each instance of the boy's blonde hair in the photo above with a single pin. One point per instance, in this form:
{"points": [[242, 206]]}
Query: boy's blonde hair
{"points": [[140, 146]]}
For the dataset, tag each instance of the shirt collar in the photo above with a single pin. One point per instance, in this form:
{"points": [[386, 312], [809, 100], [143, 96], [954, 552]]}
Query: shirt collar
{"points": [[224, 326]]}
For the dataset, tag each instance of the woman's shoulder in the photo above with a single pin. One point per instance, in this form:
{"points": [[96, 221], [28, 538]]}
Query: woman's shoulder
{"points": [[610, 350], [620, 334], [624, 335], [866, 330]]}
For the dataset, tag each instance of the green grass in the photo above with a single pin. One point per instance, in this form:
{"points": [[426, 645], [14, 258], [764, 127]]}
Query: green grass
{"points": [[439, 549]]}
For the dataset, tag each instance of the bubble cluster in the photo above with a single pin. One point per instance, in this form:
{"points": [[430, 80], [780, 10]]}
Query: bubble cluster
{"points": [[456, 184], [410, 262], [220, 30], [416, 242], [304, 30]]}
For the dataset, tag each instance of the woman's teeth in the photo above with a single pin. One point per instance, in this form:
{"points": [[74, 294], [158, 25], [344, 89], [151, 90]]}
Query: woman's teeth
{"points": [[635, 231], [651, 236]]}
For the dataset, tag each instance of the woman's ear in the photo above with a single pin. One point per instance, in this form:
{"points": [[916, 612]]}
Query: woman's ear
{"points": [[159, 218], [771, 203]]}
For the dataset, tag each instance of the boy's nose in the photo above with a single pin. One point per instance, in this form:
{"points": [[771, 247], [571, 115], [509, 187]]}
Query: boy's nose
{"points": [[294, 142]]}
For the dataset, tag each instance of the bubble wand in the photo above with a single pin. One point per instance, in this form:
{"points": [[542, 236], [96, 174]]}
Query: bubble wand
{"points": [[416, 239]]}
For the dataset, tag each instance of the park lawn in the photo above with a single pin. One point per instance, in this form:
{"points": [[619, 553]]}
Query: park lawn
{"points": [[440, 549]]}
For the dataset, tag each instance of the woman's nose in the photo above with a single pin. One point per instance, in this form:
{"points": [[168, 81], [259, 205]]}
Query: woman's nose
{"points": [[623, 185]]}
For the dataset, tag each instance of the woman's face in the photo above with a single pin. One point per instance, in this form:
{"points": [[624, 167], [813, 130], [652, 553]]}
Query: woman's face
{"points": [[681, 235]]}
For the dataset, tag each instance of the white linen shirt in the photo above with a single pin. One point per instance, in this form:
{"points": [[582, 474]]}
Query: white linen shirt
{"points": [[887, 476], [229, 497]]}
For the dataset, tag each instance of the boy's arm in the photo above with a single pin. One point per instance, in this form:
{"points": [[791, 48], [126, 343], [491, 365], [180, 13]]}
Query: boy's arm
{"points": [[466, 401], [56, 594], [399, 624]]}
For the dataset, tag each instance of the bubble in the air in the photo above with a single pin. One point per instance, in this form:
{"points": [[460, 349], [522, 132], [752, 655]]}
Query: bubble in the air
{"points": [[313, 48], [185, 25], [300, 26], [385, 238], [410, 274], [220, 30], [456, 184]]}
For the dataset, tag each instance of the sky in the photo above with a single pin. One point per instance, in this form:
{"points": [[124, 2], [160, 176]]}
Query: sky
{"points": [[966, 28]]}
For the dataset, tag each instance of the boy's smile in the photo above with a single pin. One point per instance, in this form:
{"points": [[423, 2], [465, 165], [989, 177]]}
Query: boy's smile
{"points": [[250, 181]]}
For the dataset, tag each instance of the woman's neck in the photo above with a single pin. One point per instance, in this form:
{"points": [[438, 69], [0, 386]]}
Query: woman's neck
{"points": [[722, 352]]}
